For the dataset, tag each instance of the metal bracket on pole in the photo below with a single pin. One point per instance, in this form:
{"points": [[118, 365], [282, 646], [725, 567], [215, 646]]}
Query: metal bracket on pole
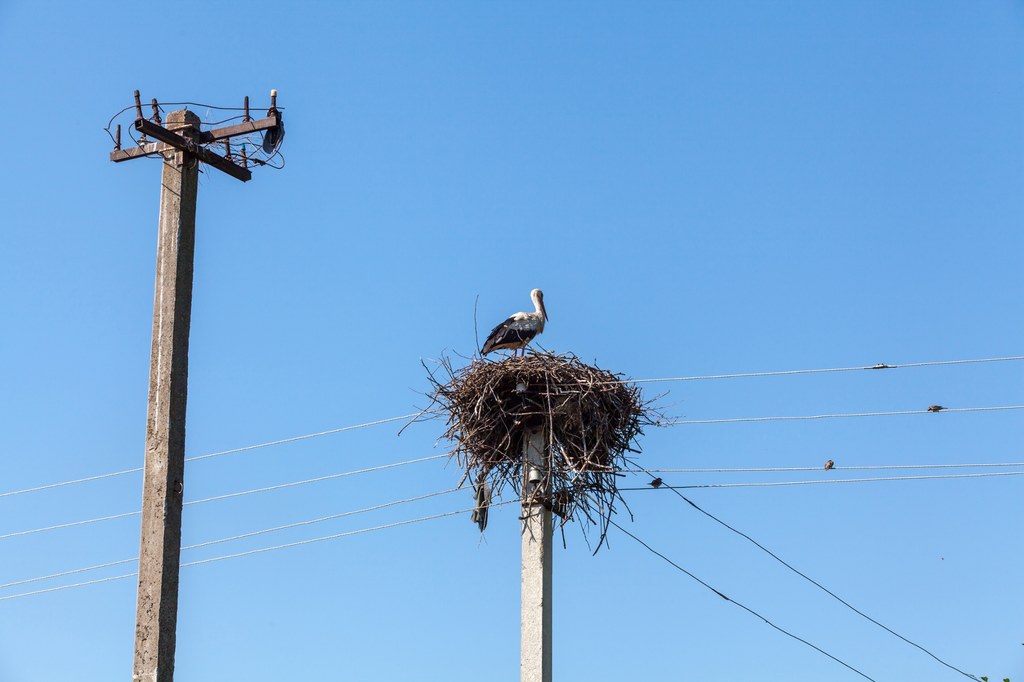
{"points": [[194, 148], [169, 140]]}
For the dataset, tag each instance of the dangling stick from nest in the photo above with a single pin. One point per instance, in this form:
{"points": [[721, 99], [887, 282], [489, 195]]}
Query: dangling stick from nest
{"points": [[591, 420]]}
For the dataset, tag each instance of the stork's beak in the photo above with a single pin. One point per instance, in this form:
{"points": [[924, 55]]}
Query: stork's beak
{"points": [[544, 310]]}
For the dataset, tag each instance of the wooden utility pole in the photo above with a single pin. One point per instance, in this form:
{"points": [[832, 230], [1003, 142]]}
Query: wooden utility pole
{"points": [[180, 143], [535, 642]]}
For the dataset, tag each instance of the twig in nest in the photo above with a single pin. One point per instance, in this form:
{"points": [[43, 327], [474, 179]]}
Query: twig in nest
{"points": [[590, 420]]}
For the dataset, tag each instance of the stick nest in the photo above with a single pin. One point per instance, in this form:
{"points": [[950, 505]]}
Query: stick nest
{"points": [[590, 418]]}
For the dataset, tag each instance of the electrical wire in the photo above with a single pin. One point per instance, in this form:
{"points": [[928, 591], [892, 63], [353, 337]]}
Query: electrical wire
{"points": [[386, 466], [73, 571], [209, 106], [868, 467], [298, 543], [257, 155], [68, 587], [674, 423], [745, 608], [318, 479], [216, 454], [417, 520], [837, 416], [307, 436], [192, 104], [880, 366], [267, 162], [223, 120], [249, 534], [77, 480], [767, 484], [817, 584], [256, 551], [241, 493], [69, 524]]}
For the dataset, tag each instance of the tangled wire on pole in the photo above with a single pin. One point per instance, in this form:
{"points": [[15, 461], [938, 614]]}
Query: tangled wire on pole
{"points": [[258, 148], [590, 419]]}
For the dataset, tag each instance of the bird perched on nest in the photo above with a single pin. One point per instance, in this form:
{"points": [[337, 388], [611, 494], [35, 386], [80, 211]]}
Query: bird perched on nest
{"points": [[517, 331]]}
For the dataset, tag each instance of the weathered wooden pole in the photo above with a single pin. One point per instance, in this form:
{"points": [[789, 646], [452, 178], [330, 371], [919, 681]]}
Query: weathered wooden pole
{"points": [[163, 482], [535, 642]]}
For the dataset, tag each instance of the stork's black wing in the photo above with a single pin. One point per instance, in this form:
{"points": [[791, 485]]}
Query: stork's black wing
{"points": [[512, 333]]}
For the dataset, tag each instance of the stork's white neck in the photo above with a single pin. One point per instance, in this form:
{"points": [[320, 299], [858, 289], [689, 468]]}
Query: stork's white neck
{"points": [[539, 313]]}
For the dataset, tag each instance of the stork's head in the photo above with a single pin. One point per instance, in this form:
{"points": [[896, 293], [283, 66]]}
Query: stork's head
{"points": [[538, 301]]}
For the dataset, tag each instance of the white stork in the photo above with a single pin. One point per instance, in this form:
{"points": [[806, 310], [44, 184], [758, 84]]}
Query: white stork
{"points": [[517, 331]]}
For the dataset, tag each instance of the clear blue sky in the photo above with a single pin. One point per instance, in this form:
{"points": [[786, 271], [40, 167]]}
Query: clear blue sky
{"points": [[699, 188]]}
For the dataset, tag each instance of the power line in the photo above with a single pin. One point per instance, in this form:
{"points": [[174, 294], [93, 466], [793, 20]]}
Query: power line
{"points": [[866, 467], [631, 489], [321, 519], [827, 480], [72, 585], [432, 457], [790, 372], [745, 608], [634, 381], [304, 437], [318, 479], [77, 480], [817, 584], [249, 534], [257, 551], [73, 571], [309, 541], [215, 454], [69, 525], [838, 416], [241, 493], [680, 471]]}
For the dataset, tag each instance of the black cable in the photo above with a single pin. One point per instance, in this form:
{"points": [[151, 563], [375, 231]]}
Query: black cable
{"points": [[211, 106], [819, 585], [745, 608], [824, 481], [224, 120], [160, 105]]}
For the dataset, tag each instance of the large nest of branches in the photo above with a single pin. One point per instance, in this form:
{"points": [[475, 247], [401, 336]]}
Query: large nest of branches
{"points": [[589, 418]]}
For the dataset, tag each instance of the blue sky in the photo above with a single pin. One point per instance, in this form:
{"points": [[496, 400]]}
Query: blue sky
{"points": [[699, 188]]}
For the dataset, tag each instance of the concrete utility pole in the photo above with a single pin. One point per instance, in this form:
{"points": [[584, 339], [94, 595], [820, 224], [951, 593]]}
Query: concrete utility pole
{"points": [[535, 643], [180, 142], [163, 483]]}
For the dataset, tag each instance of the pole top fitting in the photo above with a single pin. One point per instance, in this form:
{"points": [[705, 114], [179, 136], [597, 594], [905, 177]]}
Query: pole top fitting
{"points": [[180, 120]]}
